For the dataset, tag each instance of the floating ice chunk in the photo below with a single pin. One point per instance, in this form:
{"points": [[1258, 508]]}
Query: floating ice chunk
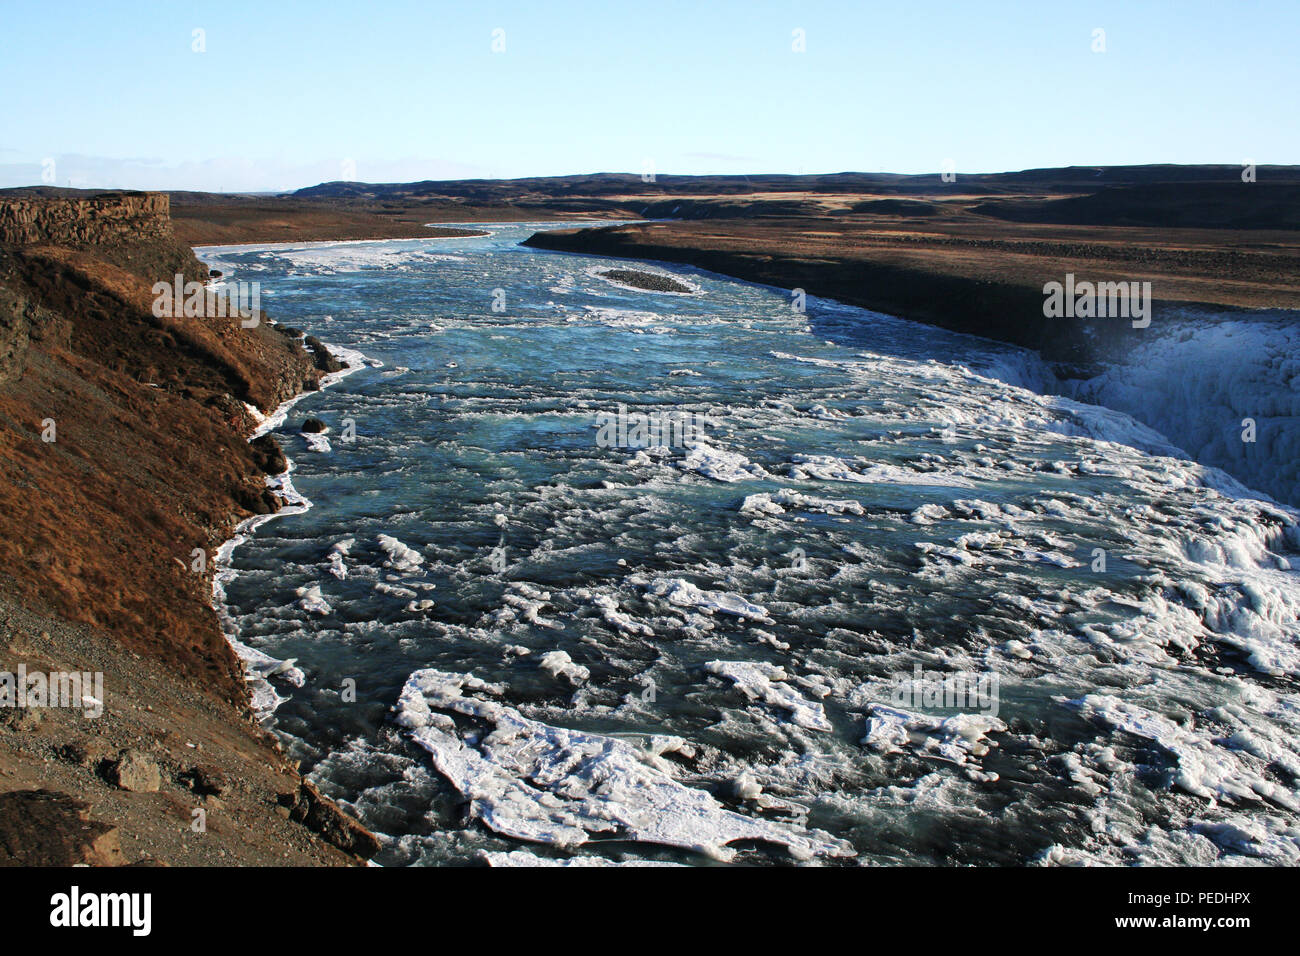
{"points": [[760, 504], [957, 738], [775, 503], [746, 787], [312, 601], [613, 616], [526, 601], [395, 590], [259, 667], [532, 781], [560, 665], [929, 514], [821, 411], [684, 594], [763, 682], [768, 638], [336, 555], [316, 441], [728, 466], [400, 558]]}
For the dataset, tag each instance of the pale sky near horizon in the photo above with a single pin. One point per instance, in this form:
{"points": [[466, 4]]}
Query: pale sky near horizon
{"points": [[289, 94]]}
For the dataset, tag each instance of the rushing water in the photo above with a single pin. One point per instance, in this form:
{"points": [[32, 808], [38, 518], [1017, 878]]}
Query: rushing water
{"points": [[737, 620]]}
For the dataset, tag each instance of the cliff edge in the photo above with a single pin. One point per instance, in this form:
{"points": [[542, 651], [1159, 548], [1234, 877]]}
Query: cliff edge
{"points": [[125, 464]]}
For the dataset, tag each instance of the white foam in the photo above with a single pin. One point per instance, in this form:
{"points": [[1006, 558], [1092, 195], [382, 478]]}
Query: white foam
{"points": [[1231, 768], [1211, 372], [830, 468], [518, 858]]}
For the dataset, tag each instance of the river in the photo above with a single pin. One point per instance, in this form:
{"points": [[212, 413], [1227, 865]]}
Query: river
{"points": [[864, 598]]}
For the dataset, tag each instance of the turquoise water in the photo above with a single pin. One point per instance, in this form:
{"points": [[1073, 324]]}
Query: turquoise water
{"points": [[737, 618]]}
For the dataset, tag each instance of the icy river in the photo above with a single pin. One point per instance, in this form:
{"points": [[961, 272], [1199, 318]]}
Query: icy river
{"points": [[598, 575]]}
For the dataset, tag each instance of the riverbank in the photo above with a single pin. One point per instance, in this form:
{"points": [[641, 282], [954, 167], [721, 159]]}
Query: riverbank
{"points": [[970, 276], [123, 448]]}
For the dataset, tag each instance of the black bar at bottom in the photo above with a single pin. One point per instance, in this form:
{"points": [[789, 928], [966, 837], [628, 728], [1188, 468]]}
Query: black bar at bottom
{"points": [[318, 906]]}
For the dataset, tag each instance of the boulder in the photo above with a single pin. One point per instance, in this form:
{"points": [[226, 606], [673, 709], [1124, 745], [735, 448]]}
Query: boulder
{"points": [[206, 781], [134, 771], [321, 356], [267, 454]]}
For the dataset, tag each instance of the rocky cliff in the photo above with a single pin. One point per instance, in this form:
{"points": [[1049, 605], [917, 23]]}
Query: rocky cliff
{"points": [[93, 220], [130, 229], [123, 465]]}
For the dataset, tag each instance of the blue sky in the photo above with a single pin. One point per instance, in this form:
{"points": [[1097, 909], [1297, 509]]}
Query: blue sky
{"points": [[288, 94]]}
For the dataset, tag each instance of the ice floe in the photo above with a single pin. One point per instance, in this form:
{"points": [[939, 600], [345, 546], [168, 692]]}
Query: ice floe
{"points": [[767, 683], [401, 558], [533, 781], [684, 594]]}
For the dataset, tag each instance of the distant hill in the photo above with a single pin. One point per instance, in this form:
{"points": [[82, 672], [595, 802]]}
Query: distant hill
{"points": [[1196, 205], [1072, 179]]}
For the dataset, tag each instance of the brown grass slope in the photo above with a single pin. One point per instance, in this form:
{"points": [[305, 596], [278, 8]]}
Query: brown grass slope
{"points": [[149, 461]]}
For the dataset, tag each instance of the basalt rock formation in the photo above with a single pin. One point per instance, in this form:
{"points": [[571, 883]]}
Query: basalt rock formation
{"points": [[129, 229]]}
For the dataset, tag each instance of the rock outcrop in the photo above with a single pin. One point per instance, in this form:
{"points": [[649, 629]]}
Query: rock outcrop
{"points": [[92, 220]]}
